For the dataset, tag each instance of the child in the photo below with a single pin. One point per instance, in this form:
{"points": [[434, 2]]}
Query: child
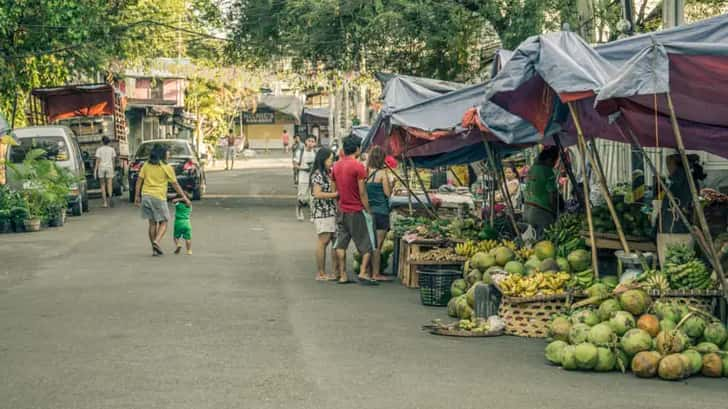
{"points": [[182, 226]]}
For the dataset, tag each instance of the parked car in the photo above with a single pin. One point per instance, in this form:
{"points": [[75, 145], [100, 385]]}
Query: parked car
{"points": [[182, 158], [60, 146]]}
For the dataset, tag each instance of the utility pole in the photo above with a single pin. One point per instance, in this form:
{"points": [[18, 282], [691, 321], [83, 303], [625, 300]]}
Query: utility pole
{"points": [[673, 12]]}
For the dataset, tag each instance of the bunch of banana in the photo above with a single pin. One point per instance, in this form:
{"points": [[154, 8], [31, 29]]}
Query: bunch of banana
{"points": [[466, 249], [487, 245], [438, 254], [537, 284], [564, 229], [570, 245], [693, 275], [509, 244], [465, 324], [524, 253], [657, 281], [582, 280]]}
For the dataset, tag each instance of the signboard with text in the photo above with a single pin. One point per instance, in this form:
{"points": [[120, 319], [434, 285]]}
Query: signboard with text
{"points": [[259, 117]]}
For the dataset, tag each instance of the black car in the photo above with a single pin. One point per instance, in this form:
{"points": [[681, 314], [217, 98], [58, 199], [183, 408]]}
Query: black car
{"points": [[182, 158]]}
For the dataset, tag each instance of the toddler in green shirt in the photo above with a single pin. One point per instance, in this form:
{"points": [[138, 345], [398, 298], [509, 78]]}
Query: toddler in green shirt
{"points": [[182, 226]]}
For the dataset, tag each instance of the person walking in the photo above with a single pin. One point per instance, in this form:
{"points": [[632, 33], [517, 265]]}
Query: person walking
{"points": [[350, 177], [540, 196], [285, 140], [230, 150], [296, 148], [182, 226], [379, 189], [323, 209], [104, 170], [302, 165], [151, 195]]}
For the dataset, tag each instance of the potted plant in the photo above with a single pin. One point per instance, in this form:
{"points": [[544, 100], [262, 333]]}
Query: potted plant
{"points": [[5, 221], [18, 216]]}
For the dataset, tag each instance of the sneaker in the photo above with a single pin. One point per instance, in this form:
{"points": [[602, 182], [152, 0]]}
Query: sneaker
{"points": [[189, 252], [299, 214]]}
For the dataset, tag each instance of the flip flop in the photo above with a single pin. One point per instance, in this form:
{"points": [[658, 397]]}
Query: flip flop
{"points": [[157, 249], [367, 281], [344, 282], [384, 279]]}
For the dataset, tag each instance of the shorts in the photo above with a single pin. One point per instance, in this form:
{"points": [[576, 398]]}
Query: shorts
{"points": [[325, 225], [106, 173], [381, 221], [303, 195], [354, 226], [182, 230], [154, 208], [230, 153]]}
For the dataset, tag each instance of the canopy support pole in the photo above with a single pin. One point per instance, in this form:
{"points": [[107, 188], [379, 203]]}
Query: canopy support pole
{"points": [[500, 180], [694, 231], [422, 184], [569, 170], [600, 177], [411, 194], [694, 191]]}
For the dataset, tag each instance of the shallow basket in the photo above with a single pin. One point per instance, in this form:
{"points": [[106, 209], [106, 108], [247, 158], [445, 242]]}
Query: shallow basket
{"points": [[435, 285], [530, 319]]}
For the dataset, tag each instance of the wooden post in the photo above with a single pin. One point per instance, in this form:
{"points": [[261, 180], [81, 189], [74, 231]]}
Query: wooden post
{"points": [[411, 194], [504, 191], [694, 192], [600, 177], [587, 204]]}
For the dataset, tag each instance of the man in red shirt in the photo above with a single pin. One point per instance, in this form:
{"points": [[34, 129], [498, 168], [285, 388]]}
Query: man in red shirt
{"points": [[350, 177]]}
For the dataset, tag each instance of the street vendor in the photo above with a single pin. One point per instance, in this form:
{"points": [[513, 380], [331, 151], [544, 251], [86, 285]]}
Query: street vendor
{"points": [[678, 185], [540, 196]]}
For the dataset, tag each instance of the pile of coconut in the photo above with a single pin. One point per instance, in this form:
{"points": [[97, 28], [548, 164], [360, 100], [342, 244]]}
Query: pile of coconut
{"points": [[630, 332]]}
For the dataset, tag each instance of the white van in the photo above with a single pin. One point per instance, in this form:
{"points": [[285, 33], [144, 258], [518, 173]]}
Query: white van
{"points": [[60, 146]]}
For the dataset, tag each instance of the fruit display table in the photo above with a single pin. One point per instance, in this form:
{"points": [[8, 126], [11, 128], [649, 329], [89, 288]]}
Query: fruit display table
{"points": [[407, 266]]}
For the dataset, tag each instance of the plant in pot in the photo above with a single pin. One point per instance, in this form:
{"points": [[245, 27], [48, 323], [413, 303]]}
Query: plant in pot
{"points": [[57, 185], [19, 215], [5, 221]]}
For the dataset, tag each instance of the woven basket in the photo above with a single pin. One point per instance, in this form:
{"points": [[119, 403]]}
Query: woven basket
{"points": [[706, 300], [530, 319]]}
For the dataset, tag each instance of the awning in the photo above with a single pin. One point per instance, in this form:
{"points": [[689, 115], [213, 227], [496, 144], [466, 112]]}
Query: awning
{"points": [[287, 104]]}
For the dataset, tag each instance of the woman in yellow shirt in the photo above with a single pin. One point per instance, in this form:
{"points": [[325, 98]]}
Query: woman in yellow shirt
{"points": [[151, 194]]}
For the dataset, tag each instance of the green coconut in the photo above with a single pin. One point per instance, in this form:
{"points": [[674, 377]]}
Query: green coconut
{"points": [[568, 358], [707, 347], [482, 261], [672, 367], [586, 355], [712, 365], [694, 326], [597, 290], [667, 325], [515, 267], [621, 322], [601, 334], [579, 333], [725, 346], [667, 311], [623, 361], [645, 363], [606, 360], [452, 309], [458, 287], [696, 360], [544, 249], [532, 263], [579, 260], [473, 276], [559, 328], [503, 255], [470, 295], [636, 340], [670, 342], [607, 308], [549, 265], [585, 316], [554, 351], [635, 302], [610, 281], [716, 333], [563, 264]]}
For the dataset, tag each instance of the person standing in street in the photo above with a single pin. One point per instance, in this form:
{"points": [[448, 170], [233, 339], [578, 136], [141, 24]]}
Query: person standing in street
{"points": [[285, 140], [323, 209], [302, 165], [297, 146], [350, 177], [379, 190], [230, 150], [104, 170], [540, 196], [151, 195]]}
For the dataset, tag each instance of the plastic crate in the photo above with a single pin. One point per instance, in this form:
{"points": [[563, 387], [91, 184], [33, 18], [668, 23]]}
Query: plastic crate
{"points": [[435, 285]]}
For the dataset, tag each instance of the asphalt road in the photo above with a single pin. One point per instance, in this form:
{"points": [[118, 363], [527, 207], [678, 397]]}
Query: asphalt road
{"points": [[88, 319]]}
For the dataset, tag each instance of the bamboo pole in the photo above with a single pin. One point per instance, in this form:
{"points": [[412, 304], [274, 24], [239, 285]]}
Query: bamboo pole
{"points": [[422, 184], [569, 170], [504, 191], [587, 205], [411, 194], [694, 231], [600, 177], [694, 192]]}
